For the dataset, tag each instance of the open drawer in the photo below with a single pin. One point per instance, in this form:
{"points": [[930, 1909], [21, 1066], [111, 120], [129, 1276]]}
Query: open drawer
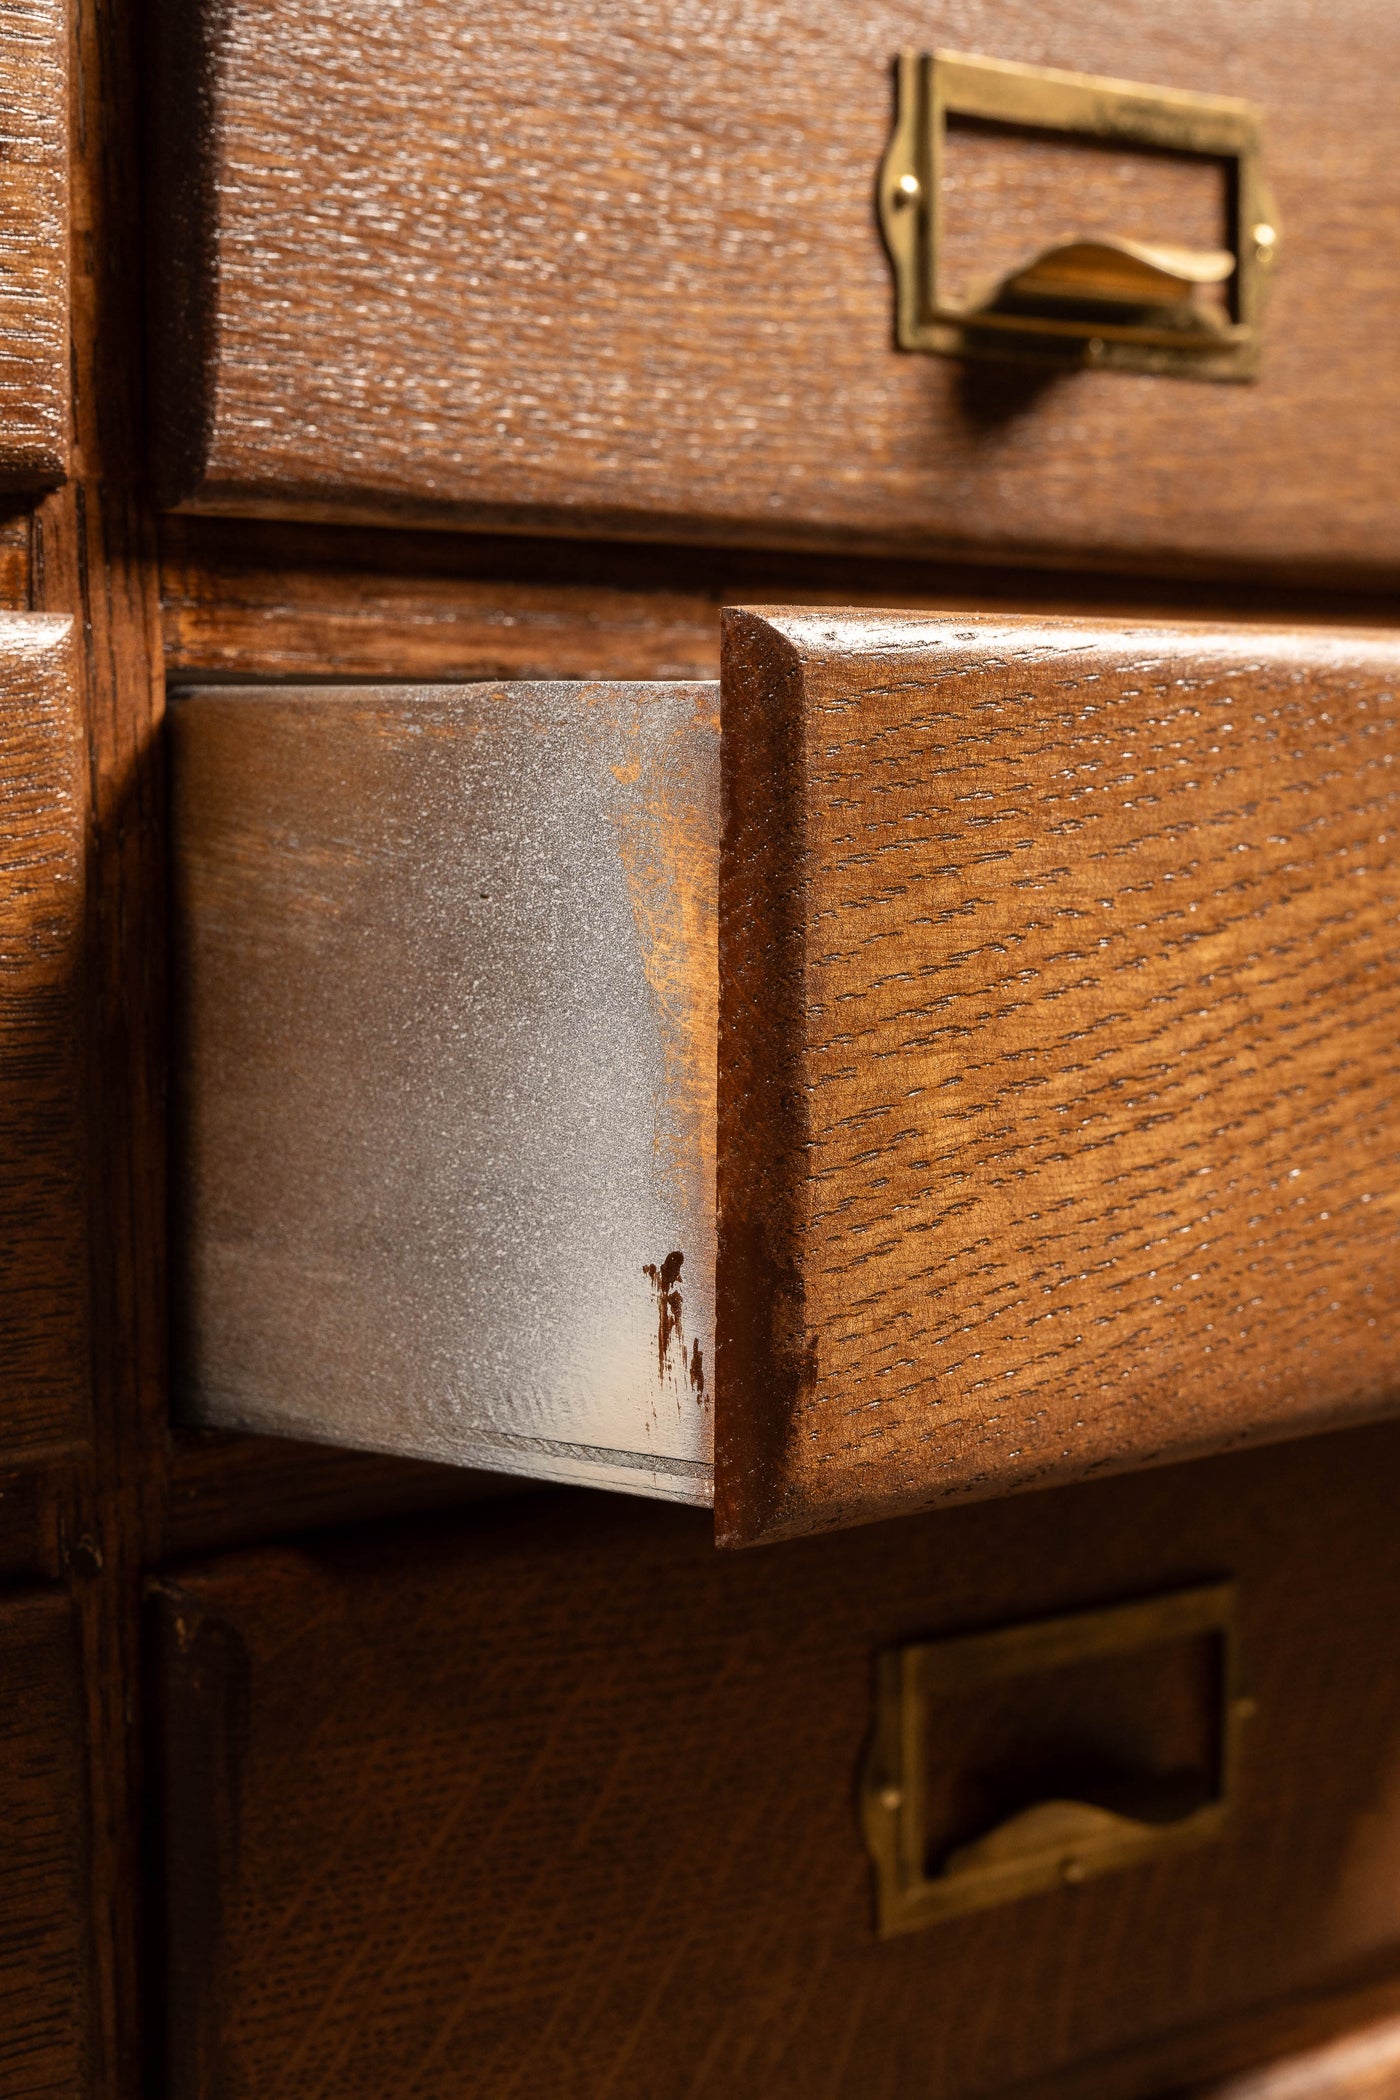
{"points": [[949, 1057]]}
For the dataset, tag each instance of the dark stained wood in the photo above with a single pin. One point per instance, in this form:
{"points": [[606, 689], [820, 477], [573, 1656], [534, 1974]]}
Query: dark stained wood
{"points": [[39, 1523], [561, 1801], [1059, 1106], [579, 274], [242, 1490], [43, 852], [34, 243], [45, 1981], [1360, 2066], [93, 559], [244, 599], [14, 564], [1193, 2059]]}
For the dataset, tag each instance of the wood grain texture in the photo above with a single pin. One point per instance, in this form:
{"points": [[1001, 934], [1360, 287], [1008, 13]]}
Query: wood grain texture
{"points": [[562, 1802], [1361, 2066], [1216, 2050], [258, 600], [622, 272], [43, 846], [14, 564], [34, 241], [45, 1982], [227, 1490], [445, 975], [1059, 1103]]}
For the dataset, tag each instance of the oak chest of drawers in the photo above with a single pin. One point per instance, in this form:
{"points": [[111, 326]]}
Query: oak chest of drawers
{"points": [[697, 728]]}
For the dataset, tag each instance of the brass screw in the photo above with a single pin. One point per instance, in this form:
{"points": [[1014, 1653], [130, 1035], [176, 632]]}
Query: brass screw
{"points": [[1265, 240], [1071, 1870], [906, 189], [1093, 349], [891, 1797]]}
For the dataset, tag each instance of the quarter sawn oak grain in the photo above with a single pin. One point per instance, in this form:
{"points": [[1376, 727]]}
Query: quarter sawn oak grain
{"points": [[1059, 1105], [34, 237], [560, 1802], [43, 1244], [45, 1972], [620, 269]]}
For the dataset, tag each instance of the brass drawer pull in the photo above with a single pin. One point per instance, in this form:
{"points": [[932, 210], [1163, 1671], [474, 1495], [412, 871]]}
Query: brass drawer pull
{"points": [[1105, 300], [1134, 1711]]}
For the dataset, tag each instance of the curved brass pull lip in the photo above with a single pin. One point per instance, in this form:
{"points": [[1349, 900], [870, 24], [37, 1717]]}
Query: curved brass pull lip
{"points": [[1108, 301], [1050, 1833], [1056, 1840], [1118, 272]]}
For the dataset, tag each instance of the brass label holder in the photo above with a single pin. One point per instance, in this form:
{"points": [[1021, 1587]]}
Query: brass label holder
{"points": [[1118, 304], [1056, 1842]]}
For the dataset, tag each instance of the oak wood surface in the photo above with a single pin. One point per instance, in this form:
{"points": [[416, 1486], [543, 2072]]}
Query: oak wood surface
{"points": [[622, 271], [555, 1799], [1364, 2065], [43, 856], [1204, 2056], [93, 559], [251, 599], [228, 1490], [46, 2010], [34, 243], [1059, 1105], [14, 563], [445, 985]]}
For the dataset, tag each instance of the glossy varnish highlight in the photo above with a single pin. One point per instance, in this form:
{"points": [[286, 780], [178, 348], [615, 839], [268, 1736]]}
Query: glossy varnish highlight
{"points": [[34, 239], [562, 271], [1059, 1098]]}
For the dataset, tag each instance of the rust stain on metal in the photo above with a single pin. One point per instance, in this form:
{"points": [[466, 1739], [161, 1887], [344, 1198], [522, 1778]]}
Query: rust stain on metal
{"points": [[668, 1307]]}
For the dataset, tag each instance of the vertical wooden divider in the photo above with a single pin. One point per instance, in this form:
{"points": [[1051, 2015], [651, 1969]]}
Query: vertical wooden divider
{"points": [[94, 556]]}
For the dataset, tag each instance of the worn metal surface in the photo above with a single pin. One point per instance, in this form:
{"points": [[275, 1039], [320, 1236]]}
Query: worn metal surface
{"points": [[445, 988]]}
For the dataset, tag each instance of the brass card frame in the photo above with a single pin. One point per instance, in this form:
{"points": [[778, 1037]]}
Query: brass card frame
{"points": [[931, 86], [909, 1680]]}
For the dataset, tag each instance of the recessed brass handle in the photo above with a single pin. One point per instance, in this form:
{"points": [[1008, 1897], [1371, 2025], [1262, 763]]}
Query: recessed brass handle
{"points": [[1054, 1841], [1083, 299]]}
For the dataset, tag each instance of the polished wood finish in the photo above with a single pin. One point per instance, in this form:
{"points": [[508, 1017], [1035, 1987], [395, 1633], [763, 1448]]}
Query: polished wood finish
{"points": [[14, 564], [1113, 867], [34, 243], [274, 601], [570, 275], [564, 1802], [43, 855], [227, 1490], [99, 1512], [1360, 2066], [46, 2006], [1059, 1108]]}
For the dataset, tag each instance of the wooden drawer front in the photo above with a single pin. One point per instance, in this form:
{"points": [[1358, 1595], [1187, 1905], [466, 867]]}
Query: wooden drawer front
{"points": [[598, 270], [43, 1253], [1058, 1113], [34, 240], [565, 1804], [45, 2030], [1060, 1107]]}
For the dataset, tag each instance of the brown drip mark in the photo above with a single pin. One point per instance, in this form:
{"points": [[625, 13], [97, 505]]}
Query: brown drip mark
{"points": [[668, 1306], [666, 1280]]}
